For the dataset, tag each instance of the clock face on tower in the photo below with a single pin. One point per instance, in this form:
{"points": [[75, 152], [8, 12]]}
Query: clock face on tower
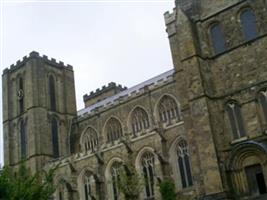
{"points": [[20, 94]]}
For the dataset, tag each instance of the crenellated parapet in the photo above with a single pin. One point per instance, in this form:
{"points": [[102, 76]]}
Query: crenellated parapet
{"points": [[170, 22], [126, 94], [36, 55], [102, 93]]}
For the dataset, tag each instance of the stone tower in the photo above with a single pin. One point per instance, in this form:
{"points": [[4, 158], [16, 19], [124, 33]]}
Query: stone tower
{"points": [[38, 108], [219, 58]]}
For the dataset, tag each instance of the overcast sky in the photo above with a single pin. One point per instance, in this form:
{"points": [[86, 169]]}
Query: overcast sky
{"points": [[123, 42]]}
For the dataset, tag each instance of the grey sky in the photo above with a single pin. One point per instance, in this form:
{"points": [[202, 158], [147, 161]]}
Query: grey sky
{"points": [[124, 42]]}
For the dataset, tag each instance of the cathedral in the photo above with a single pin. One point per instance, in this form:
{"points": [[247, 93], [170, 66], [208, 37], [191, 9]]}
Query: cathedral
{"points": [[202, 124]]}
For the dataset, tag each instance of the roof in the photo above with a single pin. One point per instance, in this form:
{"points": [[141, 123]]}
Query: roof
{"points": [[157, 80]]}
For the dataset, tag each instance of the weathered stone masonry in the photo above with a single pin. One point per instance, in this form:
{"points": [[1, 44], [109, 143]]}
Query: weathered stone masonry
{"points": [[203, 124]]}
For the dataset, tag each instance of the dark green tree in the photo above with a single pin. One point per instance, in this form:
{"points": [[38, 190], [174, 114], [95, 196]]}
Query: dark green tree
{"points": [[130, 182], [167, 189], [21, 185]]}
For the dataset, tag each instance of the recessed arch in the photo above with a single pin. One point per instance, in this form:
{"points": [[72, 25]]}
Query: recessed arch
{"points": [[217, 37], [52, 92], [23, 138], [167, 109], [55, 137], [243, 150], [20, 93], [138, 120], [235, 118], [180, 161], [113, 130], [248, 23], [64, 189], [87, 184], [148, 165], [261, 98], [89, 139], [140, 153], [245, 165], [111, 177]]}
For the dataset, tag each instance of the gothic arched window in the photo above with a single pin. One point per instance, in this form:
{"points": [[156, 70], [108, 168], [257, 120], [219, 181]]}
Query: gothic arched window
{"points": [[148, 162], [21, 95], [168, 110], [217, 38], [61, 191], [114, 171], [23, 140], [54, 132], [89, 140], [52, 93], [236, 121], [64, 190], [262, 99], [139, 120], [248, 23], [184, 164], [113, 130], [88, 187]]}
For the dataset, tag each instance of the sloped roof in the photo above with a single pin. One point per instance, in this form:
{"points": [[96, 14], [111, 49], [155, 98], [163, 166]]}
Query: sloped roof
{"points": [[157, 80]]}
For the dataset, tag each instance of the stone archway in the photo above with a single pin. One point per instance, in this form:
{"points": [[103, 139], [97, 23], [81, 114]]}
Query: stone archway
{"points": [[247, 168]]}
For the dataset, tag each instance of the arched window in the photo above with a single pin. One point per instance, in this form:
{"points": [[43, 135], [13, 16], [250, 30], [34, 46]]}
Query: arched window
{"points": [[168, 110], [114, 171], [89, 140], [248, 23], [88, 187], [61, 190], [64, 191], [139, 120], [61, 193], [184, 164], [23, 140], [217, 38], [147, 162], [262, 99], [236, 121], [54, 131], [52, 93], [113, 130], [21, 95]]}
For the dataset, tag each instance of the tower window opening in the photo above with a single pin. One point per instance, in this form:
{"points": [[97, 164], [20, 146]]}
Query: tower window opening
{"points": [[249, 26], [217, 39]]}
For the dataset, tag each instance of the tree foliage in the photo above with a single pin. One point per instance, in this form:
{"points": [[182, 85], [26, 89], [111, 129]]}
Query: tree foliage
{"points": [[167, 190], [21, 185], [130, 182]]}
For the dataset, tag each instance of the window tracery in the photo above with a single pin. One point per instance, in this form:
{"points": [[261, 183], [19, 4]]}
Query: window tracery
{"points": [[90, 140], [168, 110], [114, 171], [139, 120], [236, 121], [88, 187], [148, 162], [113, 130], [262, 99], [184, 164]]}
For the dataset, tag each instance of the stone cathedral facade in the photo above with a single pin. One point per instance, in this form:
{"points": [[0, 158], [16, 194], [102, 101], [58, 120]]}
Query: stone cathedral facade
{"points": [[203, 123]]}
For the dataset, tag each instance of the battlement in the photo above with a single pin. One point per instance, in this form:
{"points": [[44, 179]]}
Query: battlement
{"points": [[126, 94], [102, 93], [35, 54], [170, 17]]}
